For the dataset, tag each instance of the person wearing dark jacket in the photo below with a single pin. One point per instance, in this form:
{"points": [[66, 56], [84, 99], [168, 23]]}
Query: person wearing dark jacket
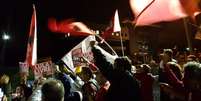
{"points": [[66, 81], [189, 88], [123, 86], [146, 81]]}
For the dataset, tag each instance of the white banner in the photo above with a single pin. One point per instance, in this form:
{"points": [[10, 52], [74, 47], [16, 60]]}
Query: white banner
{"points": [[74, 58], [44, 68], [24, 67]]}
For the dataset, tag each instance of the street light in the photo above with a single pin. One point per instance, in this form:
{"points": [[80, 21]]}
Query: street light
{"points": [[5, 37]]}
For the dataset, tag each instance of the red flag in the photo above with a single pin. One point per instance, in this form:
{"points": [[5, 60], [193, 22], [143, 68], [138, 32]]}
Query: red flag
{"points": [[114, 27], [159, 10], [69, 26], [31, 55]]}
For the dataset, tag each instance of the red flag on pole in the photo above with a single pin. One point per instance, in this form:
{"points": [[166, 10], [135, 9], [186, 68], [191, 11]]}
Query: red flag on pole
{"points": [[69, 26], [159, 10], [114, 27], [31, 55]]}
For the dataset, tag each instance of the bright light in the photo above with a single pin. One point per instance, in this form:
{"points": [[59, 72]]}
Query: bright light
{"points": [[68, 34], [97, 32], [5, 37]]}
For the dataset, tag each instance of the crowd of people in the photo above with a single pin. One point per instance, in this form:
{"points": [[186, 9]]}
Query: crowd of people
{"points": [[174, 77]]}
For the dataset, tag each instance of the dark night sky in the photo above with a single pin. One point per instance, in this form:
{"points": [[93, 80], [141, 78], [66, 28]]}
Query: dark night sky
{"points": [[15, 16]]}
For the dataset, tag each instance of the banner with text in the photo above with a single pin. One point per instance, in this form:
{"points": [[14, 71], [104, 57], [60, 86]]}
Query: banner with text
{"points": [[74, 58], [23, 67], [44, 68], [81, 54]]}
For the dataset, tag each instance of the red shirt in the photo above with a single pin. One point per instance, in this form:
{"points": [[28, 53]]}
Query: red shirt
{"points": [[146, 83], [102, 91]]}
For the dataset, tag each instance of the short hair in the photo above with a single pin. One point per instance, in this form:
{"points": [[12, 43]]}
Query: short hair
{"points": [[52, 90], [192, 70], [169, 52], [122, 63]]}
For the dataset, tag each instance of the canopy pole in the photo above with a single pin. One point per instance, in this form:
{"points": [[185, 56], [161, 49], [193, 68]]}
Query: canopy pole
{"points": [[188, 36]]}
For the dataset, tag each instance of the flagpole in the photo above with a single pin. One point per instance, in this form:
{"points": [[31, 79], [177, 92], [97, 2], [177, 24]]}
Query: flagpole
{"points": [[122, 46], [106, 43]]}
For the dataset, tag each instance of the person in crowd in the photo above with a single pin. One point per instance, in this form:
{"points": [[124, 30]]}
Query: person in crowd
{"points": [[123, 86], [166, 57], [53, 90], [104, 86], [181, 58], [36, 95], [192, 80], [90, 87], [17, 95], [154, 67], [67, 82], [22, 93], [189, 89], [146, 81], [191, 58], [4, 80], [176, 70]]}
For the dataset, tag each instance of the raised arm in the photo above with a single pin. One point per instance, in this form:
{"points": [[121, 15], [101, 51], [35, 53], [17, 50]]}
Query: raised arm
{"points": [[101, 62]]}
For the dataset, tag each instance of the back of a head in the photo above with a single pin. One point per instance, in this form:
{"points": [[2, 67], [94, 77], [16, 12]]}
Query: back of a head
{"points": [[192, 74], [122, 64], [192, 70], [52, 90], [169, 52]]}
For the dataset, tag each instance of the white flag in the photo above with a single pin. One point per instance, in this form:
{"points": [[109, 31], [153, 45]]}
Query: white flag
{"points": [[76, 57]]}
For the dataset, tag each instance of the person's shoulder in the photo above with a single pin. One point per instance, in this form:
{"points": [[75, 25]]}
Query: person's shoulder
{"points": [[173, 60]]}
